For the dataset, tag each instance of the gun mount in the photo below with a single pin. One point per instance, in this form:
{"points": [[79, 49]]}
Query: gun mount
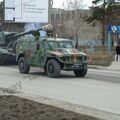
{"points": [[48, 28], [13, 39], [8, 42]]}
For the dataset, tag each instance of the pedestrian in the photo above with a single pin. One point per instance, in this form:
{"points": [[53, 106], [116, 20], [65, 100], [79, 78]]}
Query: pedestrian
{"points": [[117, 52]]}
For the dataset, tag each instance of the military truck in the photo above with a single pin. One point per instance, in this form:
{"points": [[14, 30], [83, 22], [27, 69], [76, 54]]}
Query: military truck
{"points": [[52, 54], [7, 48]]}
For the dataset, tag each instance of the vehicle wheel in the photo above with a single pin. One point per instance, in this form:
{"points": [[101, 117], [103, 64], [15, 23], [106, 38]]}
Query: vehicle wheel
{"points": [[80, 73], [53, 68], [23, 66]]}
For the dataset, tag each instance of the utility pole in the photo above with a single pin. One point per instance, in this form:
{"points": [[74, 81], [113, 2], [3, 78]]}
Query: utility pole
{"points": [[104, 22], [50, 10]]}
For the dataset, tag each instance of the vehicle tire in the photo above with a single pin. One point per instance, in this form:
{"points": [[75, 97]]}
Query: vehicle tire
{"points": [[53, 68], [23, 66], [80, 73]]}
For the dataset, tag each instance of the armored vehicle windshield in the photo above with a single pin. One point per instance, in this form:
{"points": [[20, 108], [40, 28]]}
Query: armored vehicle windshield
{"points": [[50, 45]]}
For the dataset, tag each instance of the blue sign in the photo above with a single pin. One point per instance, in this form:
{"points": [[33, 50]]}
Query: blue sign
{"points": [[118, 29], [114, 29]]}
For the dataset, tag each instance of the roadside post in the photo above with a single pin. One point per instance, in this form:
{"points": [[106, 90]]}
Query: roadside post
{"points": [[112, 29]]}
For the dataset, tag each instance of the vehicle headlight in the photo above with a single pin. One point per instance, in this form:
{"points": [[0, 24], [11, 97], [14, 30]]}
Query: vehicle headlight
{"points": [[85, 58], [62, 58]]}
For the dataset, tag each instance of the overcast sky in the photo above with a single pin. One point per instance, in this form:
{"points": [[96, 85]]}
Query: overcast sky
{"points": [[59, 3]]}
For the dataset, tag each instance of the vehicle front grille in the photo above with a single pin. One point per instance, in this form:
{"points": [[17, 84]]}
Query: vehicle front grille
{"points": [[73, 59]]}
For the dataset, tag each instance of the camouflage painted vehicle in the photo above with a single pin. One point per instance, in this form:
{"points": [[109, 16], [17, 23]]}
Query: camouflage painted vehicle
{"points": [[8, 42], [51, 54]]}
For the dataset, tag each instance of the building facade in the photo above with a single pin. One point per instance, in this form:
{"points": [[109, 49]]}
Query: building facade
{"points": [[64, 23]]}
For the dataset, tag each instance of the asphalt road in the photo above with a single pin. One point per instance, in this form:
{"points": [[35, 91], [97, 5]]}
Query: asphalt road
{"points": [[100, 89]]}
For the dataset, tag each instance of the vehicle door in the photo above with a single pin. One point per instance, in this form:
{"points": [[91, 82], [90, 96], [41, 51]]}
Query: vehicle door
{"points": [[40, 53]]}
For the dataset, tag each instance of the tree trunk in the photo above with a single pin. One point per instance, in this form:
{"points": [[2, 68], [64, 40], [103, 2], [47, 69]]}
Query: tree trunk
{"points": [[77, 43], [103, 33]]}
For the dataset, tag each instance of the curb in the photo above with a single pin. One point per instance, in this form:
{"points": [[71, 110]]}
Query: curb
{"points": [[104, 115], [103, 68]]}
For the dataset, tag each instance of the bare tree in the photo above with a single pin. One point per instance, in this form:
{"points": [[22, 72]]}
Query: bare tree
{"points": [[70, 19], [75, 8]]}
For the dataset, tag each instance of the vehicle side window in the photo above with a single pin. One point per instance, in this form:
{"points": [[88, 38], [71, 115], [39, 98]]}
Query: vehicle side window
{"points": [[65, 44], [36, 45], [51, 45], [32, 45], [24, 44], [41, 45]]}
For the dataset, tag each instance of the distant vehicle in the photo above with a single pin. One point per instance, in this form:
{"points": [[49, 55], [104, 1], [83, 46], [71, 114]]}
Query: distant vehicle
{"points": [[7, 48], [50, 53], [7, 56], [5, 38]]}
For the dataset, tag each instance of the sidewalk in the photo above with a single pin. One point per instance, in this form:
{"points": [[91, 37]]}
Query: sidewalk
{"points": [[115, 66]]}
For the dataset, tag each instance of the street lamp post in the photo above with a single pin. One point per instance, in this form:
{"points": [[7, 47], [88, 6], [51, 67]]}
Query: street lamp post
{"points": [[104, 21]]}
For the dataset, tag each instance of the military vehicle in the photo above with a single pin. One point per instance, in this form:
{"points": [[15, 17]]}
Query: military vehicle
{"points": [[50, 53], [8, 41], [7, 55]]}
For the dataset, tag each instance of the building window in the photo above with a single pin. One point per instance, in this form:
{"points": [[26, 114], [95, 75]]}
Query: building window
{"points": [[57, 16], [63, 16], [73, 15], [52, 17], [68, 16]]}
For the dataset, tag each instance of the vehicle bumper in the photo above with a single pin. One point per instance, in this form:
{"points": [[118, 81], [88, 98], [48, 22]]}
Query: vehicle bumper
{"points": [[75, 67]]}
